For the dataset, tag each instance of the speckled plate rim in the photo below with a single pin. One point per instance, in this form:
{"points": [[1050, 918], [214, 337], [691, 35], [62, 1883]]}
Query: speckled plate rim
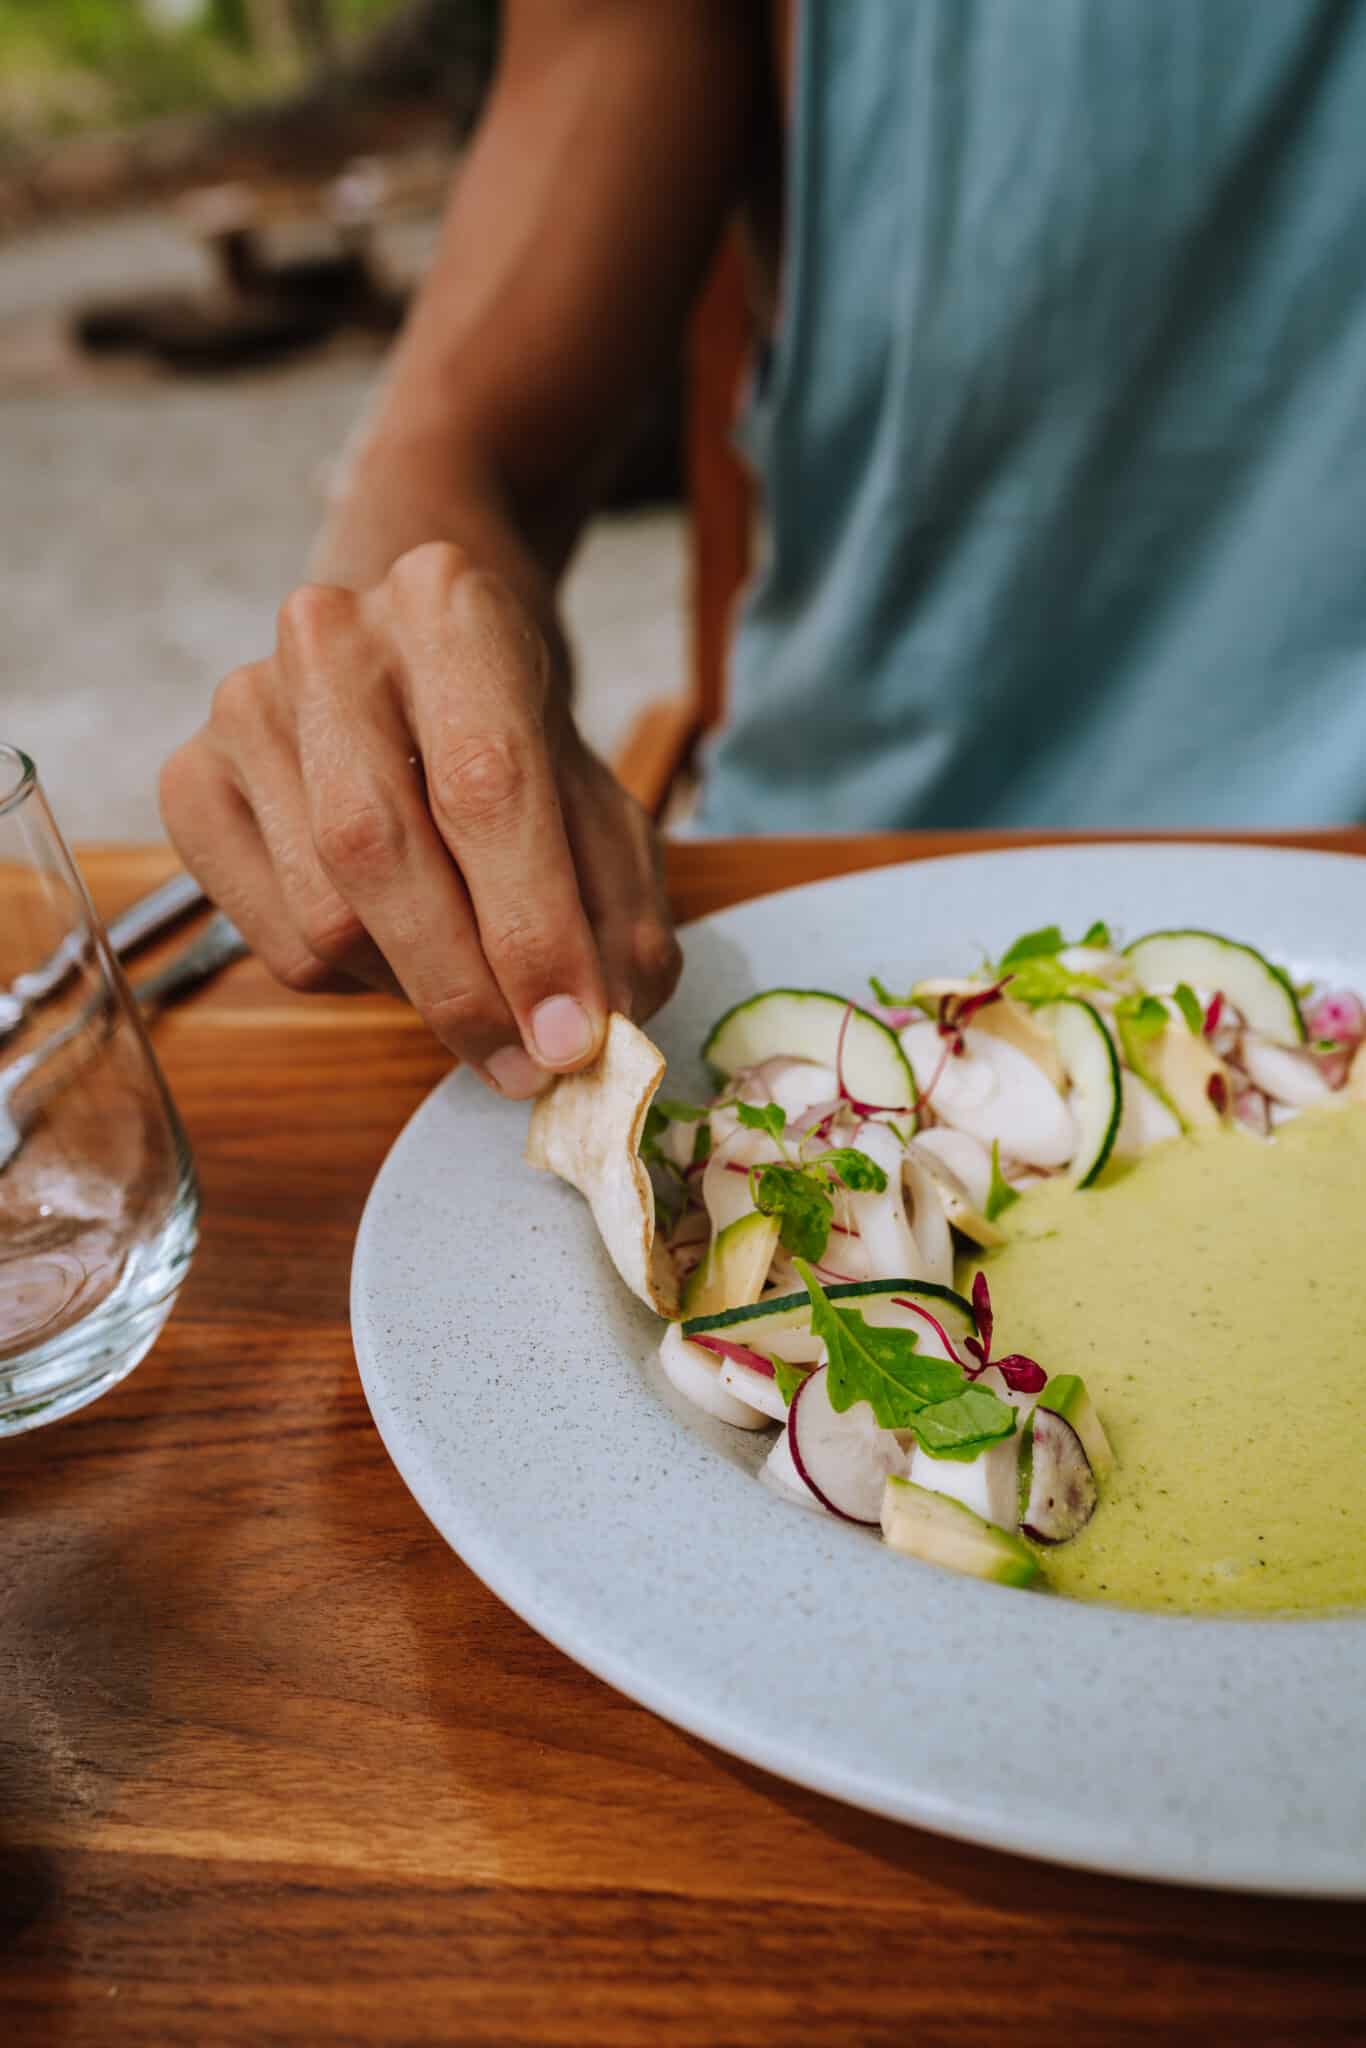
{"points": [[516, 1391]]}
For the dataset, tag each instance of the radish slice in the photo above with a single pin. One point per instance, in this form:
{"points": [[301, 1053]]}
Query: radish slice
{"points": [[1286, 1076], [1062, 1490], [995, 1093], [966, 1158], [697, 1377], [844, 1459], [779, 1472]]}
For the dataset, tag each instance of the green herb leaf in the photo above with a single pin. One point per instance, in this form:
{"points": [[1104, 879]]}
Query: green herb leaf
{"points": [[1034, 945], [656, 1123], [787, 1377], [1142, 1016], [701, 1144], [801, 1204], [763, 1116], [1188, 1003], [860, 1174], [678, 1112], [1000, 1195], [1098, 934], [882, 1367], [964, 1425], [885, 996]]}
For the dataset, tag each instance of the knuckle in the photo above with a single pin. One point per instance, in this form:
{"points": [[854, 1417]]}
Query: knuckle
{"points": [[311, 617], [239, 702], [177, 782], [428, 570], [528, 951], [303, 972], [475, 784], [332, 932], [657, 955], [359, 836], [470, 1018]]}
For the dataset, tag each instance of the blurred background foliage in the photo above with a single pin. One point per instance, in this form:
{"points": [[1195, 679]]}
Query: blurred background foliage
{"points": [[67, 65]]}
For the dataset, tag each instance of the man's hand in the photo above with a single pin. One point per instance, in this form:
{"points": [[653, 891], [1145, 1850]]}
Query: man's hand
{"points": [[398, 797]]}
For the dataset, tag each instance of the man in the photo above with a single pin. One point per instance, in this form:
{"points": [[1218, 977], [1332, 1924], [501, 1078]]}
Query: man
{"points": [[1061, 433]]}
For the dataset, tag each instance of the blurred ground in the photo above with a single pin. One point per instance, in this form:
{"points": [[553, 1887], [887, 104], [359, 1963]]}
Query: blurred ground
{"points": [[150, 525]]}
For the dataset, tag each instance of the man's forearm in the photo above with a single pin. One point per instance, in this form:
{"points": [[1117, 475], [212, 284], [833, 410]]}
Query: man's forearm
{"points": [[578, 231]]}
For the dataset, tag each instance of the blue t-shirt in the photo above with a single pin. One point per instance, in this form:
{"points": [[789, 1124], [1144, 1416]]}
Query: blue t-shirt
{"points": [[1062, 440]]}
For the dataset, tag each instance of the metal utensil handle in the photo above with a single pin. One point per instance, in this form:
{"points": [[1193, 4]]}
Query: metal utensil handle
{"points": [[129, 930], [217, 946], [152, 913]]}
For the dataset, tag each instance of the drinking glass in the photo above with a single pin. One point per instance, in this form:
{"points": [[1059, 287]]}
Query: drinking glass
{"points": [[98, 1199]]}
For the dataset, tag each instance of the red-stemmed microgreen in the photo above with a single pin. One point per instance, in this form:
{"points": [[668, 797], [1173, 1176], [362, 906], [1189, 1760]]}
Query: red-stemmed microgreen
{"points": [[1022, 1375]]}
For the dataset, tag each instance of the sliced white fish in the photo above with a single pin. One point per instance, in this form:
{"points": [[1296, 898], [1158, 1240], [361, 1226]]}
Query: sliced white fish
{"points": [[753, 1388], [929, 1222], [995, 1093], [696, 1374], [1284, 1073], [725, 1193], [1145, 1119], [989, 1484], [968, 1159], [889, 1244]]}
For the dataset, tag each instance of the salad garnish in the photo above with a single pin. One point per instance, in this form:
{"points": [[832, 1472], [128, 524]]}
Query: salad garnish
{"points": [[816, 1202]]}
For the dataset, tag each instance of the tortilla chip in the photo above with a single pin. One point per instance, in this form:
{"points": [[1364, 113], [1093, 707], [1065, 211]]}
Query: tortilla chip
{"points": [[587, 1128]]}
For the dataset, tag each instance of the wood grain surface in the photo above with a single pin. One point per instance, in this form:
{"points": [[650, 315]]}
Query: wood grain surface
{"points": [[275, 1768]]}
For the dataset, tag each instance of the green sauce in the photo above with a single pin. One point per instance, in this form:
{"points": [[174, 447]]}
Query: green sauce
{"points": [[1214, 1300]]}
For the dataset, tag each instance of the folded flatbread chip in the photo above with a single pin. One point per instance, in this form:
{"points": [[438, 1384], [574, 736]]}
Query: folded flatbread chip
{"points": [[587, 1128]]}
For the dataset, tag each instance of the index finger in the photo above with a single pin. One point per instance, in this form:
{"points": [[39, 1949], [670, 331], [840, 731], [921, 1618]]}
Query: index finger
{"points": [[476, 679]]}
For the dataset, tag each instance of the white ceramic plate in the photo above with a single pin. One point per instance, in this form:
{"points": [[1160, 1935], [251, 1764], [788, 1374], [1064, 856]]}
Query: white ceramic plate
{"points": [[514, 1382]]}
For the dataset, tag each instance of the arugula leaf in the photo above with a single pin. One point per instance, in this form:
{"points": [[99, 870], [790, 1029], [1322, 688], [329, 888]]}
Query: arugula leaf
{"points": [[763, 1116], [1143, 1016], [964, 1425], [882, 1367], [1098, 934], [1188, 1003], [1033, 945], [787, 1377], [801, 1204], [860, 1174], [1000, 1195], [701, 1145], [678, 1112]]}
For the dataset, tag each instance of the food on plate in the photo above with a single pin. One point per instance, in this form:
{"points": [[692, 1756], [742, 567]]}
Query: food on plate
{"points": [[820, 1232], [588, 1130]]}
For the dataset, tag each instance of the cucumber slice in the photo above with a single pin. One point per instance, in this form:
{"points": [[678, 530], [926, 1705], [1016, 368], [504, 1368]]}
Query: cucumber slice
{"points": [[792, 1311], [807, 1024], [735, 1267], [1066, 1396], [1092, 1067], [942, 1531], [1204, 960]]}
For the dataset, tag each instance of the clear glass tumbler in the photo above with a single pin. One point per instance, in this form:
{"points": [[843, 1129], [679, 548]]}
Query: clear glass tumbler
{"points": [[98, 1199]]}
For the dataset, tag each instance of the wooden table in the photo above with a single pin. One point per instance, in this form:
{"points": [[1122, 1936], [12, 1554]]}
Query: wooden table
{"points": [[277, 1769]]}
